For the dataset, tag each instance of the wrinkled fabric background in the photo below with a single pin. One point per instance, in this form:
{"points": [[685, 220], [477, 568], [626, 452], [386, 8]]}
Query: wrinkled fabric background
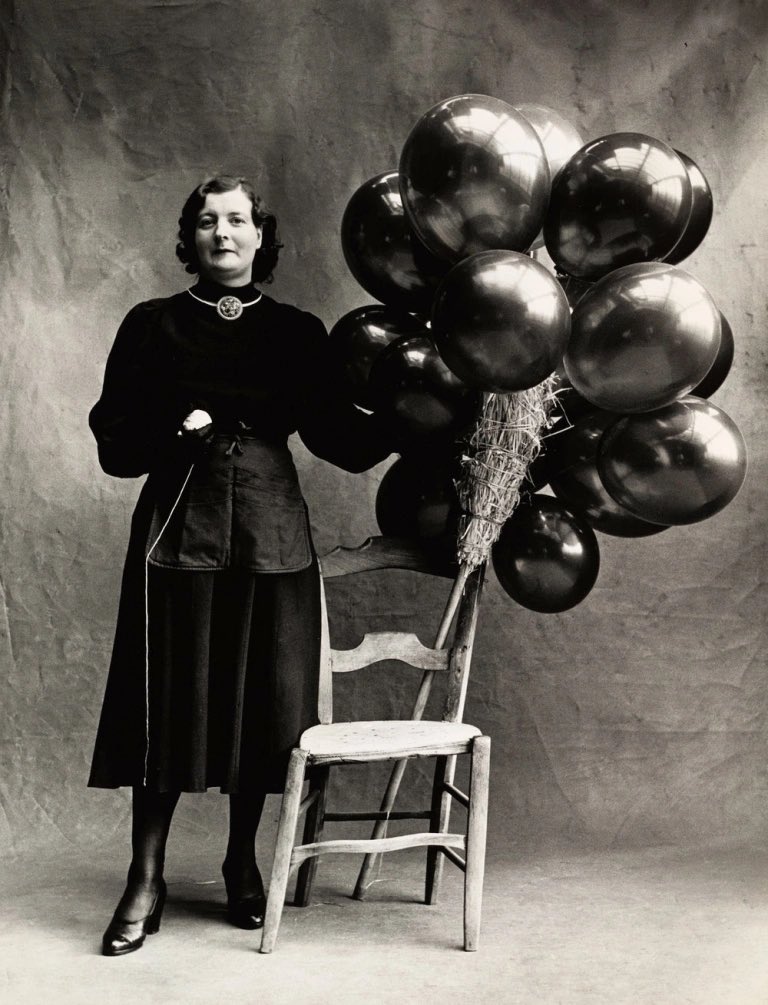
{"points": [[637, 718]]}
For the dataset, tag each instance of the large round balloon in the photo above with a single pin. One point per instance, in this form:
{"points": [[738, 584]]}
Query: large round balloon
{"points": [[501, 321], [677, 465], [418, 500], [474, 176], [547, 558], [559, 137], [575, 481], [414, 390], [382, 251], [722, 364], [621, 199], [359, 336], [701, 213], [642, 337]]}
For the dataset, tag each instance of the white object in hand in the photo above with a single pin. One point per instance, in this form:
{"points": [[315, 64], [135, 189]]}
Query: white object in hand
{"points": [[195, 420]]}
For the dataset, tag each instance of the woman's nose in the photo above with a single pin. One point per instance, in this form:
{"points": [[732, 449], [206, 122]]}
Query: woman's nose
{"points": [[222, 232]]}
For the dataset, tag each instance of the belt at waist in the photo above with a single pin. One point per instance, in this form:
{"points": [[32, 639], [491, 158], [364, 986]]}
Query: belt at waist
{"points": [[234, 434]]}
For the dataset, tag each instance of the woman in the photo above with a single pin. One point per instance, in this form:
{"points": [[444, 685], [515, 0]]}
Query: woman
{"points": [[214, 668]]}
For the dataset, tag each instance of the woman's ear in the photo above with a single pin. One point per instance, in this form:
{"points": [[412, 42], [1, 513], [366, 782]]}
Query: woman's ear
{"points": [[259, 237]]}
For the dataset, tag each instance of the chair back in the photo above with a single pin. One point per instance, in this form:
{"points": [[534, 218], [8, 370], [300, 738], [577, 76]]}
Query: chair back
{"points": [[454, 660]]}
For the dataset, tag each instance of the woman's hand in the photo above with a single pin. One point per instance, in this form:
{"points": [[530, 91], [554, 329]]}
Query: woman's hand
{"points": [[197, 424]]}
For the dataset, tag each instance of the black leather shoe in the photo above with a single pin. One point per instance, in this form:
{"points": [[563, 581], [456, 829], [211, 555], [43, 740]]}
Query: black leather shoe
{"points": [[247, 912], [123, 936], [244, 911]]}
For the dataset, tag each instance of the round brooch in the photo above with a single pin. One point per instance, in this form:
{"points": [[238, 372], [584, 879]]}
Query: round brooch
{"points": [[229, 308]]}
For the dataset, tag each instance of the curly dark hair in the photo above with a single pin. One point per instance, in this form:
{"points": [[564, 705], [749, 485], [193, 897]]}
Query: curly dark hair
{"points": [[266, 256]]}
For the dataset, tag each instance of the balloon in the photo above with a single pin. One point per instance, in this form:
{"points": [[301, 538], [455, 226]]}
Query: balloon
{"points": [[722, 365], [546, 558], [382, 251], [359, 336], [413, 388], [474, 177], [418, 500], [642, 337], [621, 199], [701, 213], [576, 482], [677, 465], [500, 321], [557, 135]]}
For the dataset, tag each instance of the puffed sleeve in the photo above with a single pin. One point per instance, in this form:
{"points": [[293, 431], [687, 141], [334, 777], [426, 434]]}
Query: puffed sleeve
{"points": [[330, 425], [133, 428]]}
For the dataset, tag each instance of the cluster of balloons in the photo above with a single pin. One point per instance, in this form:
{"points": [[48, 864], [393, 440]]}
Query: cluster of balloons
{"points": [[447, 244]]}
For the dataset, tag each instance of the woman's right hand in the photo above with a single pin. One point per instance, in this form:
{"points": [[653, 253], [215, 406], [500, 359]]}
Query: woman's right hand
{"points": [[198, 424]]}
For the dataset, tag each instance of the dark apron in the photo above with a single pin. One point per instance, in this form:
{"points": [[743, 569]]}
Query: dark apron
{"points": [[241, 507]]}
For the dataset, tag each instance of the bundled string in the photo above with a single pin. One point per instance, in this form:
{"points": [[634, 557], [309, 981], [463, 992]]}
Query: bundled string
{"points": [[506, 439]]}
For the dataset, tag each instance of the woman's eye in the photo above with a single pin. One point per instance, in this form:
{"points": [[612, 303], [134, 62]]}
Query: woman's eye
{"points": [[238, 220], [205, 223]]}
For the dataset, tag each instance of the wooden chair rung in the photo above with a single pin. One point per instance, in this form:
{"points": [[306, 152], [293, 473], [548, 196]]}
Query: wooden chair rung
{"points": [[458, 795], [453, 857], [380, 815], [365, 845], [308, 801]]}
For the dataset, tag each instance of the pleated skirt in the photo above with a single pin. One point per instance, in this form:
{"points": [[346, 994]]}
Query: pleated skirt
{"points": [[230, 681]]}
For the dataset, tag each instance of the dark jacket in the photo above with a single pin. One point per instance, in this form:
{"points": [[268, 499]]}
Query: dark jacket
{"points": [[234, 500]]}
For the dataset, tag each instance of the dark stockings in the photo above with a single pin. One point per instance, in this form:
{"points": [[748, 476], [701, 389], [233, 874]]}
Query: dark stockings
{"points": [[152, 815], [240, 870]]}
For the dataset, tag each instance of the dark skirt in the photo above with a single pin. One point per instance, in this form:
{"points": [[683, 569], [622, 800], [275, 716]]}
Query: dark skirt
{"points": [[232, 678]]}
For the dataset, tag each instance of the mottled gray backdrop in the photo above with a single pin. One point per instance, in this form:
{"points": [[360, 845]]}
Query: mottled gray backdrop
{"points": [[637, 718]]}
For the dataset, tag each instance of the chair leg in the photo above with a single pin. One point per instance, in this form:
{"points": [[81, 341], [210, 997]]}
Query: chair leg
{"points": [[476, 834], [286, 833], [445, 768], [313, 831]]}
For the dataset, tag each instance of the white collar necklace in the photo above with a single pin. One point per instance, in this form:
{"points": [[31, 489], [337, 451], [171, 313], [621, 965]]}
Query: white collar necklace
{"points": [[228, 307]]}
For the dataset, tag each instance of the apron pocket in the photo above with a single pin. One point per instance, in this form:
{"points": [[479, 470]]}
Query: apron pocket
{"points": [[270, 536]]}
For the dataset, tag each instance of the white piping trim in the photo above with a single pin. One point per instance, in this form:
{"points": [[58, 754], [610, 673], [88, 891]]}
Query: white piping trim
{"points": [[146, 624]]}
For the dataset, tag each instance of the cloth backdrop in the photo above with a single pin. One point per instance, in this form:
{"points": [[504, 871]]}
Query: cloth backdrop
{"points": [[637, 718]]}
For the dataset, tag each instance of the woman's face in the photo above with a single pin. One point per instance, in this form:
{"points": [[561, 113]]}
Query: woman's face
{"points": [[226, 238]]}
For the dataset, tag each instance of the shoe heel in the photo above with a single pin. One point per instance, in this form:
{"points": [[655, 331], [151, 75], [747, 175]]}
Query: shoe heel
{"points": [[153, 921]]}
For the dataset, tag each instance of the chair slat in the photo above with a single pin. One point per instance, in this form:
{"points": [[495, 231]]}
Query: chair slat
{"points": [[378, 646], [384, 553]]}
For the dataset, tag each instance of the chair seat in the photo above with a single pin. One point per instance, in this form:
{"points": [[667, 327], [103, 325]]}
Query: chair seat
{"points": [[382, 739]]}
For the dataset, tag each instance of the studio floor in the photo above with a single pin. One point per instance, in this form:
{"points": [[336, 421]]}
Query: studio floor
{"points": [[660, 926]]}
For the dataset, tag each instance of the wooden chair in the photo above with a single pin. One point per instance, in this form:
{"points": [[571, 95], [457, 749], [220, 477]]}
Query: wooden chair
{"points": [[336, 743]]}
